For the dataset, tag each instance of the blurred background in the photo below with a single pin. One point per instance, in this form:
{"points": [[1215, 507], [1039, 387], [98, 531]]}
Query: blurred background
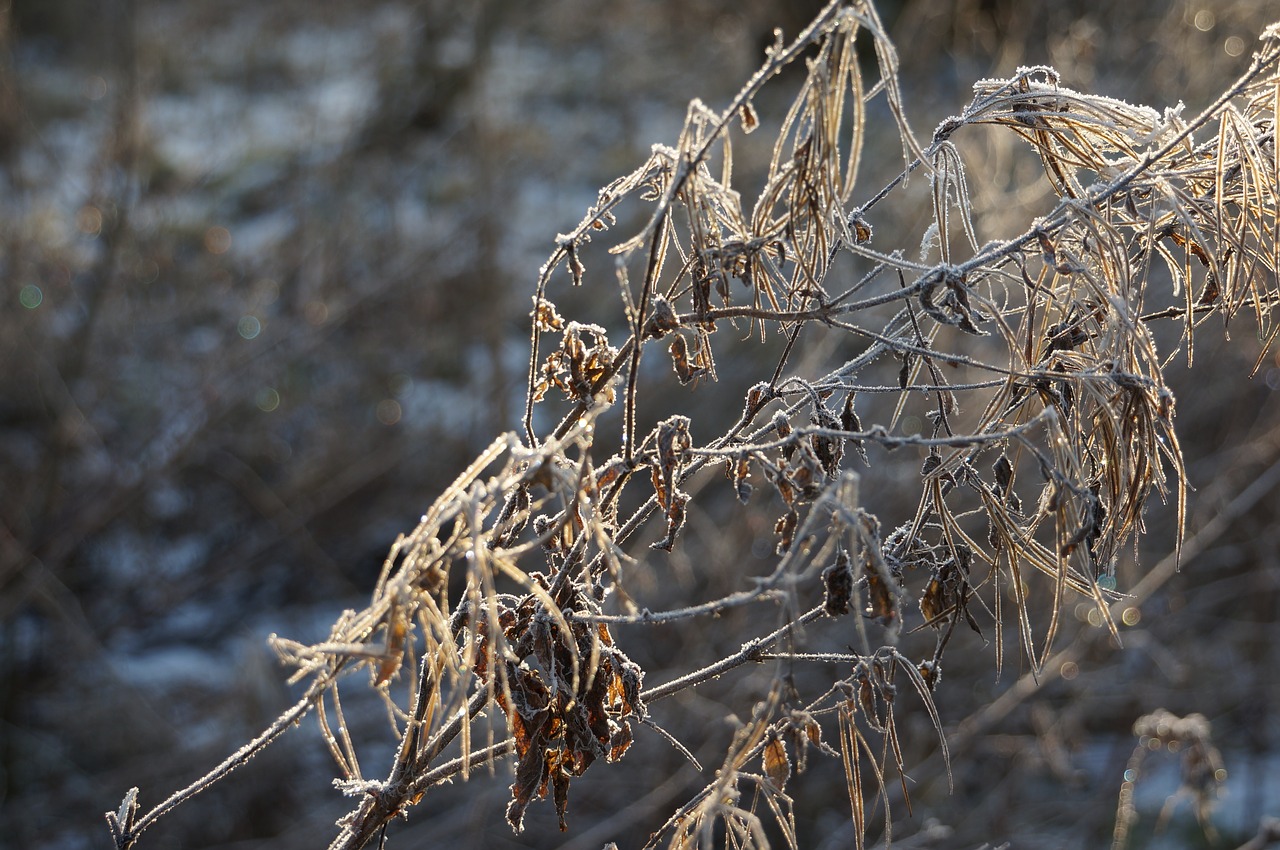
{"points": [[265, 275]]}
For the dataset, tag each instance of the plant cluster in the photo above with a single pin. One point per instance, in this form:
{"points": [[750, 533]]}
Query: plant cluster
{"points": [[1028, 364]]}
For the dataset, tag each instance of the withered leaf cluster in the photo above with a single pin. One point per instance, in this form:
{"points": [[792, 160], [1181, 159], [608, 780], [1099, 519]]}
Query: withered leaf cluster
{"points": [[580, 371], [568, 701]]}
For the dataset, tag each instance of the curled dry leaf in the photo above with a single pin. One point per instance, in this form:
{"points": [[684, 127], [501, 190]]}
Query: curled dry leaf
{"points": [[775, 762]]}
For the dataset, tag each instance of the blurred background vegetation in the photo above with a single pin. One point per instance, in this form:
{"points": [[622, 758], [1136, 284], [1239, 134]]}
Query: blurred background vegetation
{"points": [[266, 272]]}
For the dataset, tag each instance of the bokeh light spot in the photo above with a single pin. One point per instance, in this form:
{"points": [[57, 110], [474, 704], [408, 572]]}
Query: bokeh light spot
{"points": [[31, 297], [1131, 616], [95, 88], [89, 220], [1205, 20], [266, 290], [1107, 582], [217, 240], [267, 399], [316, 313], [401, 384], [388, 411], [1070, 670], [147, 271], [1233, 45], [249, 327], [280, 451]]}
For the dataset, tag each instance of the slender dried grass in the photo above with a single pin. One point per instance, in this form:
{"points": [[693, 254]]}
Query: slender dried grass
{"points": [[1031, 362]]}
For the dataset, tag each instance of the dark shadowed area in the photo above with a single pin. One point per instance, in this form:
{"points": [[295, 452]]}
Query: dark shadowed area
{"points": [[266, 274]]}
